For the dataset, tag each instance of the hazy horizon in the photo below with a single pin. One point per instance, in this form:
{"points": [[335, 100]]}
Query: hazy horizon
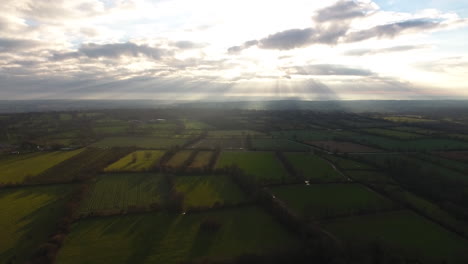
{"points": [[234, 51]]}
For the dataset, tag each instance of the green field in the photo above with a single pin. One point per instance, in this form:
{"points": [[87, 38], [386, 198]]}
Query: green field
{"points": [[140, 142], [233, 133], [347, 164], [27, 217], [318, 201], [115, 192], [206, 191], [408, 119], [407, 233], [392, 133], [142, 160], [264, 166], [110, 130], [202, 160], [313, 168], [222, 143], [179, 158], [170, 239], [17, 168], [369, 176], [277, 144]]}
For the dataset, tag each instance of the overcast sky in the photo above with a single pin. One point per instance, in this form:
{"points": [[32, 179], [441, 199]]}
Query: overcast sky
{"points": [[243, 49]]}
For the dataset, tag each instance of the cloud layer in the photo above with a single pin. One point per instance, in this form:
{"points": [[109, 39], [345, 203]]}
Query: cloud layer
{"points": [[345, 49]]}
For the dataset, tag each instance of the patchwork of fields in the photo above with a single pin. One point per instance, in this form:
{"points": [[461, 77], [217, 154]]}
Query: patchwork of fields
{"points": [[140, 142], [165, 188]]}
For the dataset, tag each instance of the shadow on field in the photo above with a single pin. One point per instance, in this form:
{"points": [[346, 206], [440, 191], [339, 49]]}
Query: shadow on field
{"points": [[35, 226]]}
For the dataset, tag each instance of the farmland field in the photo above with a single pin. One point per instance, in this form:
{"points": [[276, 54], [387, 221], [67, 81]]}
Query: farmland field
{"points": [[456, 155], [369, 176], [201, 160], [222, 143], [233, 133], [115, 192], [17, 168], [415, 236], [28, 216], [392, 133], [141, 160], [277, 144], [408, 119], [347, 164], [140, 142], [206, 191], [170, 239], [264, 166], [179, 158], [339, 146], [318, 201], [313, 168]]}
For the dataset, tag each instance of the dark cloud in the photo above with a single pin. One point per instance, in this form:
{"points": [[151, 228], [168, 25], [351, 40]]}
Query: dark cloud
{"points": [[392, 30], [9, 44], [113, 51], [342, 10], [327, 69], [332, 26], [362, 52], [289, 39]]}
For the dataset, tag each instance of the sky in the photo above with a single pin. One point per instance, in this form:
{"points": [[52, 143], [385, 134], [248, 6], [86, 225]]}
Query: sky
{"points": [[234, 50]]}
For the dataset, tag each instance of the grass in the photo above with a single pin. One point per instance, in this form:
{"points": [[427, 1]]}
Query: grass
{"points": [[369, 176], [142, 160], [17, 168], [110, 130], [170, 239], [179, 158], [313, 168], [392, 133], [408, 119], [318, 201], [28, 216], [347, 164], [202, 160], [115, 192], [223, 143], [341, 146], [140, 142], [264, 166], [233, 133], [405, 232], [277, 144], [207, 191]]}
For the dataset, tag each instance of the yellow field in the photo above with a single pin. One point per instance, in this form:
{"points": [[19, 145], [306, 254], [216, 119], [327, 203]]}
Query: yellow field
{"points": [[16, 168], [141, 160]]}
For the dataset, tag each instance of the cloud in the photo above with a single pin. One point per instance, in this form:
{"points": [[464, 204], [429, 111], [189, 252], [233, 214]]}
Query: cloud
{"points": [[362, 52], [393, 29], [289, 39], [113, 51], [185, 44], [327, 69], [333, 25], [10, 44], [342, 11]]}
